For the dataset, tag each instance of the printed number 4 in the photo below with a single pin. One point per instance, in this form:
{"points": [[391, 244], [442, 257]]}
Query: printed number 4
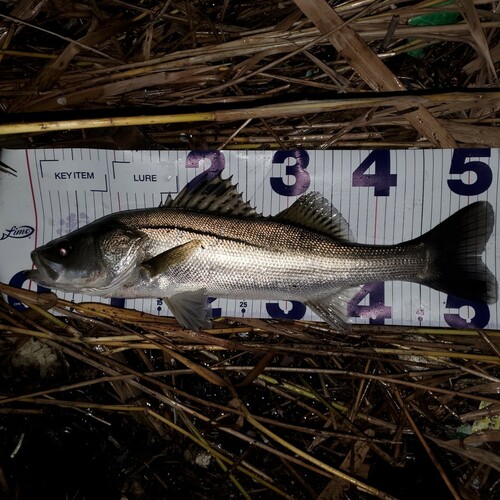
{"points": [[382, 180], [376, 311]]}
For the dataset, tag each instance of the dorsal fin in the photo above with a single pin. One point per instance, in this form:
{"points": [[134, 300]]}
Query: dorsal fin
{"points": [[312, 211], [215, 195]]}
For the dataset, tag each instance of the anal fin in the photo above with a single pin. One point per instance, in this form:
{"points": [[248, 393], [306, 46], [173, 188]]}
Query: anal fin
{"points": [[333, 307], [191, 309]]}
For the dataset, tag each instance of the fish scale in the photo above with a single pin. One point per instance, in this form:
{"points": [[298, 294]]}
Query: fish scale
{"points": [[263, 257]]}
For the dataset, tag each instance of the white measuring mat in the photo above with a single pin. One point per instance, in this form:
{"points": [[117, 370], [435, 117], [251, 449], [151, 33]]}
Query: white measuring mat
{"points": [[386, 196]]}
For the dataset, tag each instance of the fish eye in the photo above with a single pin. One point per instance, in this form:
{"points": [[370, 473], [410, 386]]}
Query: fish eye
{"points": [[63, 249]]}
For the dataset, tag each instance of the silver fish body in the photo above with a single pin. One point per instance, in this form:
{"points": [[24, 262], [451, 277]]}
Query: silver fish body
{"points": [[209, 242], [259, 258]]}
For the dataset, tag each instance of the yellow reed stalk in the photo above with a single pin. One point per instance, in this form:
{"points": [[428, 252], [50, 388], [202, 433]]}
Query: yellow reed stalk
{"points": [[291, 109]]}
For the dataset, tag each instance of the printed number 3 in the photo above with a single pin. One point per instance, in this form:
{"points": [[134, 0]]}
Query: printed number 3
{"points": [[297, 311], [297, 170]]}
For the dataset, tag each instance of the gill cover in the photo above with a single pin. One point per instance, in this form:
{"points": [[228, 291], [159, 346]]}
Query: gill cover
{"points": [[97, 259]]}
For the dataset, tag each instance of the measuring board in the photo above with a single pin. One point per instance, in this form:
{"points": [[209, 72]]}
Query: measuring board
{"points": [[386, 196]]}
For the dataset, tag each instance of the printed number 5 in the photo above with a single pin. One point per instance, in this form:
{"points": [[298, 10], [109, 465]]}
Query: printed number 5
{"points": [[460, 165], [298, 170], [479, 320]]}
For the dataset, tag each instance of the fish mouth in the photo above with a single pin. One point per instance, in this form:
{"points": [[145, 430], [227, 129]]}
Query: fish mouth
{"points": [[44, 273]]}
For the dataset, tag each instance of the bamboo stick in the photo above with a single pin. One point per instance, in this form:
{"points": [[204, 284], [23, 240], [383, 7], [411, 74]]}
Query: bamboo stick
{"points": [[291, 109]]}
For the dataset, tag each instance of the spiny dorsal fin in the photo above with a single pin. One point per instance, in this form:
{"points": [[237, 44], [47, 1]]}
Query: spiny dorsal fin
{"points": [[168, 202], [312, 211], [216, 196]]}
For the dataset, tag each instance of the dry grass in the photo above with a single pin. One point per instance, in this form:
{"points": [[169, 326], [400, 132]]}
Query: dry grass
{"points": [[260, 409], [259, 74]]}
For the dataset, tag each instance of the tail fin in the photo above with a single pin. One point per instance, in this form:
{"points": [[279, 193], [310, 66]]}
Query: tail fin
{"points": [[455, 248]]}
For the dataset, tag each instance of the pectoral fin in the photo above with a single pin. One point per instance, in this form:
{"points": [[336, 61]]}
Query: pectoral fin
{"points": [[170, 258], [332, 308], [191, 309]]}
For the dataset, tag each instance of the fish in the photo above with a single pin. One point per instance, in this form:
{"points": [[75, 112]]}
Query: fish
{"points": [[209, 242]]}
